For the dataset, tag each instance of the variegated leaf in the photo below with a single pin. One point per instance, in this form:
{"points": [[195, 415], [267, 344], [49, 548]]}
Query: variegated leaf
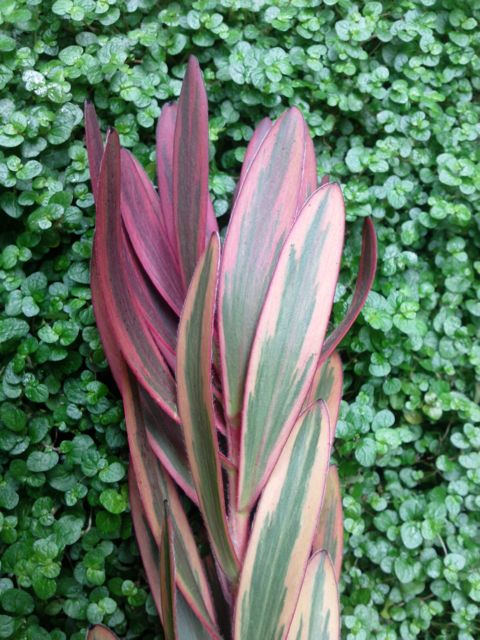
{"points": [[263, 213], [167, 578], [327, 385], [317, 615], [366, 276], [195, 398], [289, 336], [129, 328], [309, 177], [188, 624], [100, 632], [329, 533], [154, 487], [282, 533], [190, 170]]}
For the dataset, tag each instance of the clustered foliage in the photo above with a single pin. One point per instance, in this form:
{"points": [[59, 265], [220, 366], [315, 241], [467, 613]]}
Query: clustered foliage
{"points": [[387, 90]]}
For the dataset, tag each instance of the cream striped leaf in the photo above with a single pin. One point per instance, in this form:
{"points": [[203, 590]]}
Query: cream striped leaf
{"points": [[317, 615], [283, 530], [195, 402], [289, 336]]}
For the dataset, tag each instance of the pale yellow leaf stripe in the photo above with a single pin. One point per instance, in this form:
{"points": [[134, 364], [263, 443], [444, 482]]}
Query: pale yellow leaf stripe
{"points": [[289, 336], [195, 403], [317, 615], [154, 486], [283, 530]]}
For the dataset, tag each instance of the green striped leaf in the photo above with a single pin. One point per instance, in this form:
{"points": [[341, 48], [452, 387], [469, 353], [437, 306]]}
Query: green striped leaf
{"points": [[187, 622], [282, 533], [329, 533], [317, 615], [265, 208], [327, 385], [167, 578], [289, 336], [154, 487], [100, 632], [112, 294], [195, 402]]}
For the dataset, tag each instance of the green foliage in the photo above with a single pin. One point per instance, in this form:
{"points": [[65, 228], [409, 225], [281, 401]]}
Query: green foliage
{"points": [[387, 89]]}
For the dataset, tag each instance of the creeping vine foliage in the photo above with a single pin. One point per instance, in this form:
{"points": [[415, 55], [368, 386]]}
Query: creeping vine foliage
{"points": [[388, 91]]}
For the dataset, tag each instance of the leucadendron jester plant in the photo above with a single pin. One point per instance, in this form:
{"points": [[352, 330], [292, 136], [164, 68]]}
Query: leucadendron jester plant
{"points": [[230, 380]]}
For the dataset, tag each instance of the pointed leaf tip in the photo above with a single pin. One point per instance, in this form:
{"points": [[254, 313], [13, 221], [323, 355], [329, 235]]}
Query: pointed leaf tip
{"points": [[329, 532], [190, 170], [265, 207], [100, 632], [317, 614], [114, 288]]}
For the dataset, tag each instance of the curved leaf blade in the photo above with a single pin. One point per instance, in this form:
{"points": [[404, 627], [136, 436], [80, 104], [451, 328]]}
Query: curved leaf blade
{"points": [[262, 216], [187, 622], [289, 336], [195, 398], [154, 312], [154, 487], [189, 625], [113, 354], [113, 296], [167, 579], [365, 278], [190, 170], [329, 533], [148, 547], [317, 615], [282, 532]]}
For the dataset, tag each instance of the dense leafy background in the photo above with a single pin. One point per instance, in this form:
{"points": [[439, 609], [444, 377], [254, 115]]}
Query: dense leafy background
{"points": [[390, 92]]}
